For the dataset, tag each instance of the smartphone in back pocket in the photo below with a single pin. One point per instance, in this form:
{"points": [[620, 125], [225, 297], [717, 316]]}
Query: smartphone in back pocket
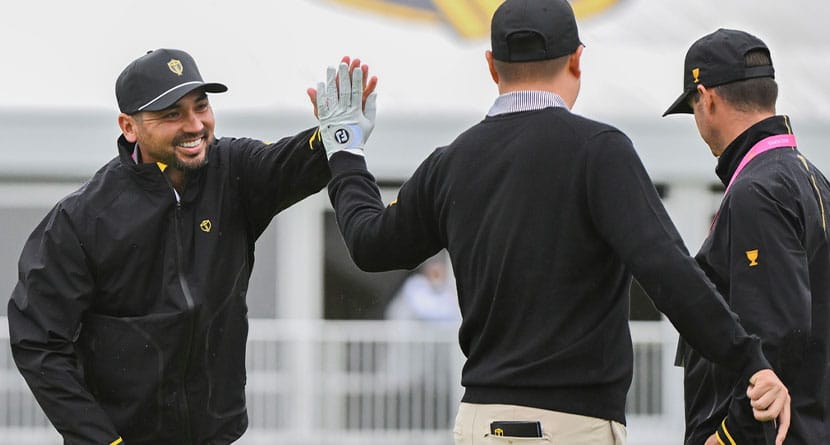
{"points": [[516, 428]]}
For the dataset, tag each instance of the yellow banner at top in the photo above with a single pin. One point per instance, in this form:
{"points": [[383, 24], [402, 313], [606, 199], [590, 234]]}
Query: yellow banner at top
{"points": [[469, 18]]}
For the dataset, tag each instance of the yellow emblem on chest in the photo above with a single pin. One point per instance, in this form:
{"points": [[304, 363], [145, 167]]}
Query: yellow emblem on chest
{"points": [[752, 256]]}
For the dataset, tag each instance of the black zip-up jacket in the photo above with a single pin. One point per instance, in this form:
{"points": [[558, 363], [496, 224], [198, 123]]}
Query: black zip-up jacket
{"points": [[129, 319], [768, 253], [545, 215]]}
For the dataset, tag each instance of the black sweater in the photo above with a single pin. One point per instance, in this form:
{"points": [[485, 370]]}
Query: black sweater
{"points": [[545, 215]]}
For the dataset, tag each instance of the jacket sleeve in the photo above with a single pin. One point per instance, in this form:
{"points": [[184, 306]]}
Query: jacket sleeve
{"points": [[54, 289], [628, 213], [274, 176], [769, 285], [398, 236]]}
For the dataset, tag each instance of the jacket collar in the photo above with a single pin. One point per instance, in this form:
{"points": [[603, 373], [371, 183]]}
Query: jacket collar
{"points": [[150, 176], [735, 151]]}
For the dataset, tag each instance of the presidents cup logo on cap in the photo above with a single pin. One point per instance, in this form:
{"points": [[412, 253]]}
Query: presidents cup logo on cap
{"points": [[696, 75], [175, 66], [147, 85]]}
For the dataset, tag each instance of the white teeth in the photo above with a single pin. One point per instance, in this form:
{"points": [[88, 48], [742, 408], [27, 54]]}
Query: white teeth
{"points": [[191, 144]]}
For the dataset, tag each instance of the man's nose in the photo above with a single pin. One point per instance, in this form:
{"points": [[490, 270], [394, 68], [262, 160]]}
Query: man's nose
{"points": [[193, 124]]}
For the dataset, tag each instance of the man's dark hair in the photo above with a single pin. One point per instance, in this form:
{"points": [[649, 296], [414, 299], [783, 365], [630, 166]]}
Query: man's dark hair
{"points": [[758, 94]]}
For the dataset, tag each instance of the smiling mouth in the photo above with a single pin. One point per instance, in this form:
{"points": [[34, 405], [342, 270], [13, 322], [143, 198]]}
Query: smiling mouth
{"points": [[190, 144]]}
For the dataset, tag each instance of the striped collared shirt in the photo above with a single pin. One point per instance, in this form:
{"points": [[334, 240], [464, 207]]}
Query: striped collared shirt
{"points": [[516, 101]]}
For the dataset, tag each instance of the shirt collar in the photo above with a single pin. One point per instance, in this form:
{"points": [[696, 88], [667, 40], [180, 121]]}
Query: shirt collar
{"points": [[735, 151], [135, 154], [516, 101]]}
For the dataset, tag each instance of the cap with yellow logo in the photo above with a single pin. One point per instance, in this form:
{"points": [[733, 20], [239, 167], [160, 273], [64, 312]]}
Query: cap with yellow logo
{"points": [[716, 59], [158, 79]]}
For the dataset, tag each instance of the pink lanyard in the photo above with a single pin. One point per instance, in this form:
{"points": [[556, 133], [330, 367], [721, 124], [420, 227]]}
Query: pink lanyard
{"points": [[766, 144]]}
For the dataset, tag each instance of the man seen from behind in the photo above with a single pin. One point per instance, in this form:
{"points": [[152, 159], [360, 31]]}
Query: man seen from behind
{"points": [[546, 215]]}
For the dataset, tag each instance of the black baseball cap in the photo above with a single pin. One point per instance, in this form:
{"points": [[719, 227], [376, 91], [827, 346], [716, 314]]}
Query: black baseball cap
{"points": [[530, 30], [158, 79], [717, 59]]}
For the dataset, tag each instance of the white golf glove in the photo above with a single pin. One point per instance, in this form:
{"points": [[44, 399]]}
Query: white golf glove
{"points": [[344, 126]]}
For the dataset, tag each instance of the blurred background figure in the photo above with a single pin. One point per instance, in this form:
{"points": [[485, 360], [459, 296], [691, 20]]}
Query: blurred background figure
{"points": [[427, 294], [417, 372]]}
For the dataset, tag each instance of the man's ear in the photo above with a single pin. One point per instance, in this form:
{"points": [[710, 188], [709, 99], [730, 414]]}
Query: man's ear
{"points": [[707, 98], [128, 125], [573, 62], [490, 64]]}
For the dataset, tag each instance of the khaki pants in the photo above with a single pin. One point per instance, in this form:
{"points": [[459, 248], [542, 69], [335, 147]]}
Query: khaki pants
{"points": [[472, 427]]}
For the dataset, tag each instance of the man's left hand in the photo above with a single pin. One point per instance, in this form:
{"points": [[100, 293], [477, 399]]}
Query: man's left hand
{"points": [[770, 400], [369, 83], [346, 113]]}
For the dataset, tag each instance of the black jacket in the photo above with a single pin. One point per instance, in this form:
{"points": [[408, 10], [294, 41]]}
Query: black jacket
{"points": [[130, 316], [545, 215], [768, 253]]}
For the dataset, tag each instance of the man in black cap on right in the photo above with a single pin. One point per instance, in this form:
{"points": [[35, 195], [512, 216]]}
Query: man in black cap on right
{"points": [[545, 215], [767, 250]]}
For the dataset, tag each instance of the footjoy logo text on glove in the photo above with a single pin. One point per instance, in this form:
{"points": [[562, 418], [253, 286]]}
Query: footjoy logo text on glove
{"points": [[341, 136]]}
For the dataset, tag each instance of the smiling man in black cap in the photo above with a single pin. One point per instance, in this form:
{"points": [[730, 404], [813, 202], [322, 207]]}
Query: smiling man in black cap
{"points": [[545, 214], [767, 250], [129, 319]]}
